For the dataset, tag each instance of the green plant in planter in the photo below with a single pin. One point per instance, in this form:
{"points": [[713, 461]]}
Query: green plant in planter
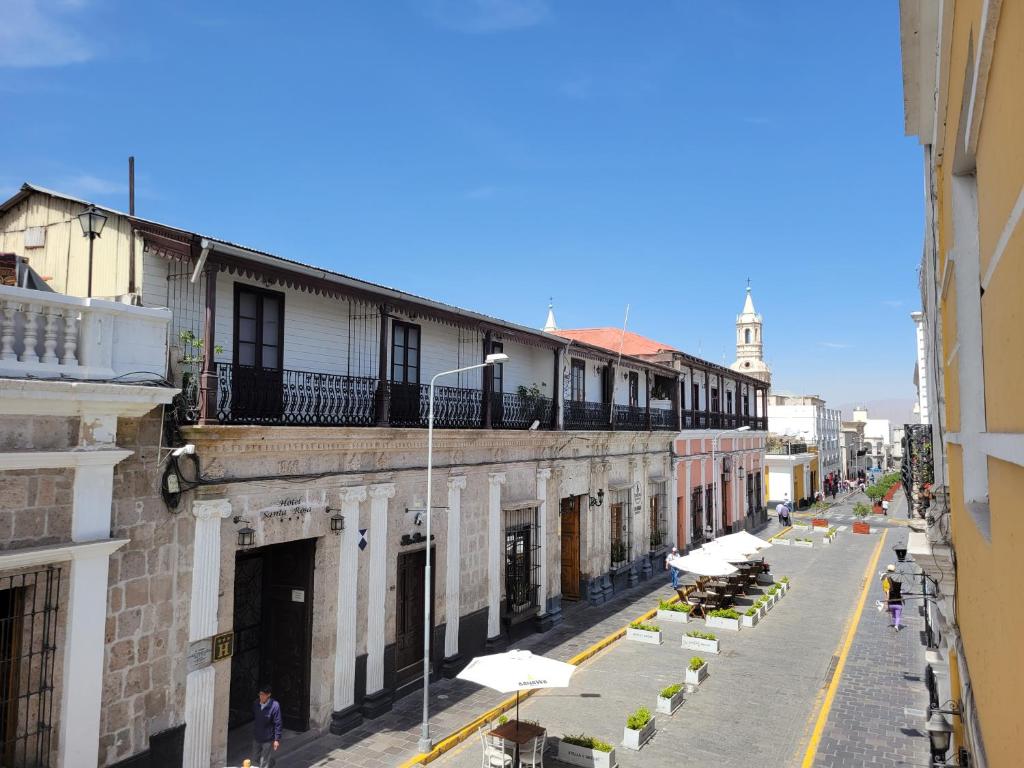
{"points": [[751, 611], [701, 635], [678, 607], [639, 719], [696, 663], [672, 690], [860, 509], [760, 601], [772, 589], [645, 627], [502, 719], [587, 742], [724, 613], [784, 580]]}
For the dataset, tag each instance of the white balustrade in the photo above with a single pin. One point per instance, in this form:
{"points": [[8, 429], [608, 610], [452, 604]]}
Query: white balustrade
{"points": [[50, 335]]}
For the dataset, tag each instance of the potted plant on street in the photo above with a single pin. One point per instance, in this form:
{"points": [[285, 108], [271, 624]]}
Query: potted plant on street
{"points": [[705, 642], [723, 618], [586, 751], [751, 616], [644, 633], [670, 699], [783, 540], [696, 671], [762, 607], [772, 596], [675, 610], [640, 726], [861, 510], [803, 542], [784, 583]]}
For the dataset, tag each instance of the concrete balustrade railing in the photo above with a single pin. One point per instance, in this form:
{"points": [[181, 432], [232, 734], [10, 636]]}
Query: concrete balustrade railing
{"points": [[50, 335]]}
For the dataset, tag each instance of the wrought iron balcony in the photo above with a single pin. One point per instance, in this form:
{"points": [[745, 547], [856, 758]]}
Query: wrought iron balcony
{"points": [[581, 415], [511, 410], [630, 418], [247, 395], [454, 407], [664, 419]]}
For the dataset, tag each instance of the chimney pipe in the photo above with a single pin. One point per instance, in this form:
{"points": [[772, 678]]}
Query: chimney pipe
{"points": [[131, 228]]}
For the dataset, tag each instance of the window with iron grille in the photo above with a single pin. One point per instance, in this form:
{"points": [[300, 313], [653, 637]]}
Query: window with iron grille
{"points": [[522, 542], [621, 527], [659, 514], [28, 646], [709, 506], [697, 515], [751, 509]]}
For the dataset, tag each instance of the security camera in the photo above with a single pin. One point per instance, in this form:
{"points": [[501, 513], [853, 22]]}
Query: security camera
{"points": [[186, 450]]}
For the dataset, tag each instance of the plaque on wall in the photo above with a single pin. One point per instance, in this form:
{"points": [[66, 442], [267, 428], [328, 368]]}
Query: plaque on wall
{"points": [[199, 655], [223, 645]]}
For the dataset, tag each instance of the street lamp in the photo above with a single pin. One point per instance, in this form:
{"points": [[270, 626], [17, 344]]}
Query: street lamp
{"points": [[92, 221], [714, 471], [493, 359]]}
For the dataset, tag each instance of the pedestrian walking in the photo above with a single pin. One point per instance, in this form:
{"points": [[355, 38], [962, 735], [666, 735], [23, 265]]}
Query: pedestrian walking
{"points": [[266, 727], [885, 506], [674, 571], [892, 585], [781, 510]]}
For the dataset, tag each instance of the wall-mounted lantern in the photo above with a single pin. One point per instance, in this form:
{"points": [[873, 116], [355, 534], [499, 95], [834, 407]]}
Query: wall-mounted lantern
{"points": [[246, 535], [337, 521], [599, 499]]}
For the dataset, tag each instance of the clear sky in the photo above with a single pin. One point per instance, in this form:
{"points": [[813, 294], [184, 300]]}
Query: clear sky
{"points": [[493, 153]]}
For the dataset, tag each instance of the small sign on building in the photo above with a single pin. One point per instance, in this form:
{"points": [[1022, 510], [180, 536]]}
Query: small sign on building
{"points": [[223, 645], [199, 655]]}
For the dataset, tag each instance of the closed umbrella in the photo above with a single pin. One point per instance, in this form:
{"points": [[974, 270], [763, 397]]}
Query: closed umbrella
{"points": [[702, 564], [517, 671]]}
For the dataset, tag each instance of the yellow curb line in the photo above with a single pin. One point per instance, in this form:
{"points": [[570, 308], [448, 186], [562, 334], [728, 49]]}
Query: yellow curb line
{"points": [[471, 728], [844, 651], [781, 533]]}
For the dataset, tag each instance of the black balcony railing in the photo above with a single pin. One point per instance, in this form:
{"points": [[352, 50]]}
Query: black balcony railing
{"points": [[664, 419], [454, 407], [630, 417], [580, 415], [511, 410], [247, 395]]}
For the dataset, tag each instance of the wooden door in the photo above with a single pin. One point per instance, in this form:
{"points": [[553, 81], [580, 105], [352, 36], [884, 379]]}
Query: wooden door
{"points": [[409, 614], [288, 625], [571, 548], [257, 385]]}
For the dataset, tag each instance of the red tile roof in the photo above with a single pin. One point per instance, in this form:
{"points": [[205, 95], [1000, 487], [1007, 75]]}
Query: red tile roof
{"points": [[611, 338]]}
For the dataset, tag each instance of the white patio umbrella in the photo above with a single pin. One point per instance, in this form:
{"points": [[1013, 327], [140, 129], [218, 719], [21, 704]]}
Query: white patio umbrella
{"points": [[517, 671], [702, 564], [746, 538], [732, 551]]}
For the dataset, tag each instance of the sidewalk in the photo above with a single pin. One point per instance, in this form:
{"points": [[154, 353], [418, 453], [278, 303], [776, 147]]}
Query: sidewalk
{"points": [[392, 738]]}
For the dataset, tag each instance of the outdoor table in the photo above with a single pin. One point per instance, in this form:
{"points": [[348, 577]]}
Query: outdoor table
{"points": [[518, 733]]}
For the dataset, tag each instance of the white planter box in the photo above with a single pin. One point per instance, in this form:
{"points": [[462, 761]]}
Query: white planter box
{"points": [[784, 542], [669, 706], [785, 586], [644, 636], [802, 526], [696, 677], [699, 644], [583, 756], [751, 621], [677, 616], [635, 739], [716, 622], [807, 544], [763, 611]]}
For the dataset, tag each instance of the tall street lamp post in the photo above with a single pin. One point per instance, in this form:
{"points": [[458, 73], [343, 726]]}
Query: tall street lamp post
{"points": [[425, 742], [714, 473], [92, 221]]}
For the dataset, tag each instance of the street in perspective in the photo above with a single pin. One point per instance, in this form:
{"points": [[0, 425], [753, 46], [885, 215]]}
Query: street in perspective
{"points": [[512, 383]]}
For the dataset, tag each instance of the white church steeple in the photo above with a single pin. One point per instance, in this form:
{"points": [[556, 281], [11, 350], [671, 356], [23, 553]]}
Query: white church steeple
{"points": [[749, 345], [550, 326]]}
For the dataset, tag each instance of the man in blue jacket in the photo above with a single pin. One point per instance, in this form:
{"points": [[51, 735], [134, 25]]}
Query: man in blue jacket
{"points": [[266, 728]]}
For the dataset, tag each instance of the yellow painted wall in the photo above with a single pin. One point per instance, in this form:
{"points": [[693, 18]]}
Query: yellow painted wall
{"points": [[798, 482], [64, 260]]}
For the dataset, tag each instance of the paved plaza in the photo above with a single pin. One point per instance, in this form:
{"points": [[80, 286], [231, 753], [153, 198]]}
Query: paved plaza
{"points": [[758, 706]]}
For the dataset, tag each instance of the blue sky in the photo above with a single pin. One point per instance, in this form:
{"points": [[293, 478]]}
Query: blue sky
{"points": [[493, 153]]}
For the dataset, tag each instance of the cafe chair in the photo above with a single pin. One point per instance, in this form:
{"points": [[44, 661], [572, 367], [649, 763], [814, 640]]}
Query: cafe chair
{"points": [[497, 753], [531, 753]]}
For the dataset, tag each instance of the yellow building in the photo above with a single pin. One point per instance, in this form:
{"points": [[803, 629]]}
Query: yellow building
{"points": [[963, 64]]}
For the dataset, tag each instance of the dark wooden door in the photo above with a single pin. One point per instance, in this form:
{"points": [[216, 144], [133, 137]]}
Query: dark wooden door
{"points": [[409, 614], [571, 548], [405, 407], [287, 628], [257, 384]]}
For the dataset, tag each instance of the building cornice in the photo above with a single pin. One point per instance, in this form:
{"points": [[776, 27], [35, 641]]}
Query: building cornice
{"points": [[36, 397]]}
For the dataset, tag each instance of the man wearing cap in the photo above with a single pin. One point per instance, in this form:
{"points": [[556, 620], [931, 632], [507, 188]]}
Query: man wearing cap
{"points": [[675, 571], [893, 588]]}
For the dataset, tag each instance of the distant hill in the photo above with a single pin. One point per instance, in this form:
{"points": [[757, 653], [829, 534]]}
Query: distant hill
{"points": [[897, 410]]}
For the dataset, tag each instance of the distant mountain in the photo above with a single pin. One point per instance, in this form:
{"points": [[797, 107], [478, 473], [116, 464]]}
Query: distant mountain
{"points": [[897, 410]]}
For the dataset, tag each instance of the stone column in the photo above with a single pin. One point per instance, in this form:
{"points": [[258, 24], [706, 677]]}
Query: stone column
{"points": [[496, 479], [673, 503], [550, 610], [346, 715], [453, 576], [202, 624], [687, 506], [377, 701]]}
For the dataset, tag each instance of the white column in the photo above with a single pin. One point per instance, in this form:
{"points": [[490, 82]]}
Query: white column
{"points": [[202, 623], [494, 554], [673, 502], [345, 621], [687, 501], [543, 475], [379, 495], [453, 561]]}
